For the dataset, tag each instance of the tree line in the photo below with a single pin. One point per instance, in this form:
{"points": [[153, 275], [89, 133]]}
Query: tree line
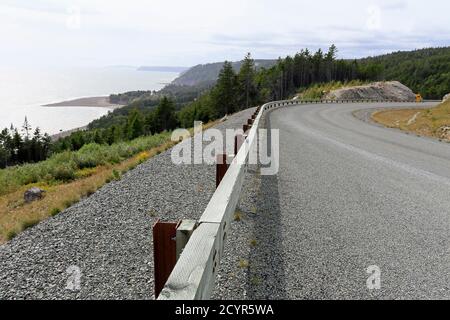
{"points": [[17, 147], [426, 71], [248, 87]]}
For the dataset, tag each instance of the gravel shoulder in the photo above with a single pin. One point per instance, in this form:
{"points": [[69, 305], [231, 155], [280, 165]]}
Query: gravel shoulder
{"points": [[107, 237]]}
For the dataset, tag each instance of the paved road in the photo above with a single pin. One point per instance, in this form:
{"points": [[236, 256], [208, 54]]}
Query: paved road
{"points": [[353, 195]]}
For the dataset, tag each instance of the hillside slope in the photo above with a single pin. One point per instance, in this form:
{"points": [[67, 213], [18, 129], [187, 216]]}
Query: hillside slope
{"points": [[433, 122], [204, 75], [425, 71]]}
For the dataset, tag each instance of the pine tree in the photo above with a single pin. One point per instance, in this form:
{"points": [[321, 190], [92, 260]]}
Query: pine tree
{"points": [[223, 96], [165, 115], [26, 128], [135, 125], [246, 80]]}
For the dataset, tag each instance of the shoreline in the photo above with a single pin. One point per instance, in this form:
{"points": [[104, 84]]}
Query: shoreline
{"points": [[87, 102], [66, 133]]}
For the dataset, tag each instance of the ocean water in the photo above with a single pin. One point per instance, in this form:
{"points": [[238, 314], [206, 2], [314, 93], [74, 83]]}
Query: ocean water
{"points": [[24, 91]]}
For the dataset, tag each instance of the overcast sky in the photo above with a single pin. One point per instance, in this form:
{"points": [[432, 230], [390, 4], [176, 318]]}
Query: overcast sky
{"points": [[184, 33]]}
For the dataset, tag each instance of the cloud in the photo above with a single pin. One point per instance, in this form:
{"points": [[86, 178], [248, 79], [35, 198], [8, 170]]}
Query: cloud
{"points": [[101, 32]]}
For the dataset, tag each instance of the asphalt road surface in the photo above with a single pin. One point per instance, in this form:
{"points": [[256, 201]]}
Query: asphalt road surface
{"points": [[353, 195]]}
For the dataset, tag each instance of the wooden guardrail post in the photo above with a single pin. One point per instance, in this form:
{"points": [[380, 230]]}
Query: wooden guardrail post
{"points": [[164, 252]]}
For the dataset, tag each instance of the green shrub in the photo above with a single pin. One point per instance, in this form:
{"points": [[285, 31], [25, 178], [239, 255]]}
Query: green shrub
{"points": [[11, 235], [64, 172], [63, 166], [116, 174], [55, 211]]}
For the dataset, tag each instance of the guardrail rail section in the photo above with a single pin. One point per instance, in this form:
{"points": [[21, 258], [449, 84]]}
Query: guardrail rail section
{"points": [[200, 245]]}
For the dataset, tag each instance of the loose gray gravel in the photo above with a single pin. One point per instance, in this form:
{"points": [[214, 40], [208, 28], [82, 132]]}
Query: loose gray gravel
{"points": [[108, 235]]}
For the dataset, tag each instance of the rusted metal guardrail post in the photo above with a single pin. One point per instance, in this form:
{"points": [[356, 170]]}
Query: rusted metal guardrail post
{"points": [[164, 252], [238, 141], [221, 167]]}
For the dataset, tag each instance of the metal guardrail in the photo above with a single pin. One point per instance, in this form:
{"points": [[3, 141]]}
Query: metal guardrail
{"points": [[194, 274]]}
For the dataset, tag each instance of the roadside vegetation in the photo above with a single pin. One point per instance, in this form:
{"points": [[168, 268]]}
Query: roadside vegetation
{"points": [[69, 177], [70, 165], [432, 122]]}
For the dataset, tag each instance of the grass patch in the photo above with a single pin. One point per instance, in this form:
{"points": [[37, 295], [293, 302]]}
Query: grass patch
{"points": [[70, 202], [29, 223], [243, 263], [237, 215], [424, 122], [152, 213], [256, 281]]}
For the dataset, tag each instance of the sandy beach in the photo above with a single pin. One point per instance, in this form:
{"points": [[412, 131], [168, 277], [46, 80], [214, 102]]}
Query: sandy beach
{"points": [[98, 102], [90, 102]]}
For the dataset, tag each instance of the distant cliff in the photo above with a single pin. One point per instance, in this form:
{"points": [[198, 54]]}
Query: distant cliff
{"points": [[204, 75]]}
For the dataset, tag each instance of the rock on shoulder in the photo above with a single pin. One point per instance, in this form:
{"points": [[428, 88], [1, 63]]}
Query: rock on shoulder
{"points": [[446, 97], [390, 90], [33, 194]]}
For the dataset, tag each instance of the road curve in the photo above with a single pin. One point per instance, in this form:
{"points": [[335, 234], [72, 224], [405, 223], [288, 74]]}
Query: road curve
{"points": [[354, 195]]}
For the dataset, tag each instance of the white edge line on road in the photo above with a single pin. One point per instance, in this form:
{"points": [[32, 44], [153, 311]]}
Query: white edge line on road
{"points": [[374, 157]]}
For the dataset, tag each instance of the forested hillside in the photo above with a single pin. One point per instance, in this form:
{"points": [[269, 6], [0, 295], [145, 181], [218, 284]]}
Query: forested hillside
{"points": [[425, 71], [205, 75]]}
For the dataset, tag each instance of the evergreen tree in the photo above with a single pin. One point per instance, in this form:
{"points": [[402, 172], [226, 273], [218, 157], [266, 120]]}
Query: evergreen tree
{"points": [[246, 82], [224, 94], [26, 128], [135, 125], [165, 115]]}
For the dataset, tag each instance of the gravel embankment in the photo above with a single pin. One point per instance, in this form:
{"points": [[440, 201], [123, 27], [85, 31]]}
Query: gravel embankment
{"points": [[108, 235]]}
